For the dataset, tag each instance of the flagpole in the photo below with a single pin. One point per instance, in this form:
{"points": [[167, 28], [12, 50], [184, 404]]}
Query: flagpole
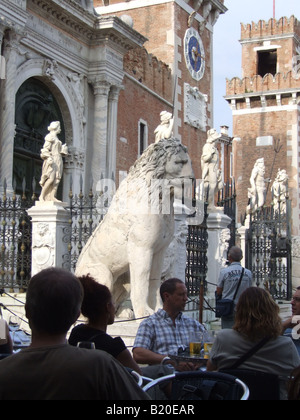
{"points": [[274, 9]]}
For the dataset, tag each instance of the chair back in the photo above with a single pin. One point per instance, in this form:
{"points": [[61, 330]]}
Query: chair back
{"points": [[203, 386], [4, 355], [262, 386]]}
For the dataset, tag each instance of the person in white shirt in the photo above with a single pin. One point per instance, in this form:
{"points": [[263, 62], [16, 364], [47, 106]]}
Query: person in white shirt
{"points": [[229, 279]]}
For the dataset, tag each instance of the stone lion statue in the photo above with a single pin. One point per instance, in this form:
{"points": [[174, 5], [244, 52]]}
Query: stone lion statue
{"points": [[126, 250]]}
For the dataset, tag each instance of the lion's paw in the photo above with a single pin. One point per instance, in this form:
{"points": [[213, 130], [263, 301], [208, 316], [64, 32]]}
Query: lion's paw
{"points": [[125, 313], [145, 312]]}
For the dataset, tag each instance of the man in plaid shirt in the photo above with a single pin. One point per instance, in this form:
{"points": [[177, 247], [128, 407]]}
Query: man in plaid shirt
{"points": [[167, 331]]}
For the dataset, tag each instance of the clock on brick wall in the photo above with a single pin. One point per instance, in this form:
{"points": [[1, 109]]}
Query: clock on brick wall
{"points": [[194, 54]]}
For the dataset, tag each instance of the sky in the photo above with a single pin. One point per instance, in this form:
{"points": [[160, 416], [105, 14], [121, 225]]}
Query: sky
{"points": [[227, 49]]}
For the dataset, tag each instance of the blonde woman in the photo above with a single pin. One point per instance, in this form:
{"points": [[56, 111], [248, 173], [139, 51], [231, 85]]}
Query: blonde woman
{"points": [[257, 317]]}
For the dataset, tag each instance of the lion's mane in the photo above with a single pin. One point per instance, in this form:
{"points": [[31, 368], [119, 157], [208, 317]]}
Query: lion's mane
{"points": [[150, 166]]}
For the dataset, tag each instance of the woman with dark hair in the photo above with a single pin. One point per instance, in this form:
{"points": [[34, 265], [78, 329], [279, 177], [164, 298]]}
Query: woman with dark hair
{"points": [[99, 309], [257, 317]]}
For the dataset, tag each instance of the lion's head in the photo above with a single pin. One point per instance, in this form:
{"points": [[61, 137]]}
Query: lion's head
{"points": [[153, 177], [164, 159]]}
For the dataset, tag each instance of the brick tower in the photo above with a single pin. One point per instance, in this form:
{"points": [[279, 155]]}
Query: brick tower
{"points": [[180, 34], [265, 107]]}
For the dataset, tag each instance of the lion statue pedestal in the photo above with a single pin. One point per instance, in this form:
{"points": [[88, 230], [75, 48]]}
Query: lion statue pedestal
{"points": [[126, 251]]}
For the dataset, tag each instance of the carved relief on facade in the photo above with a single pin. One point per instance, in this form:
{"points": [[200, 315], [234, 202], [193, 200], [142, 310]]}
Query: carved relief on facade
{"points": [[75, 158], [195, 107], [43, 244]]}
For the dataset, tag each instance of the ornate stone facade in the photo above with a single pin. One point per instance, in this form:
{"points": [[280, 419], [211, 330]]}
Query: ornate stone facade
{"points": [[78, 57]]}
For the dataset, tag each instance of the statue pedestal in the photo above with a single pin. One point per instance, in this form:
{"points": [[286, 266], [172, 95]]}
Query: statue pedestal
{"points": [[126, 329], [217, 223], [49, 218]]}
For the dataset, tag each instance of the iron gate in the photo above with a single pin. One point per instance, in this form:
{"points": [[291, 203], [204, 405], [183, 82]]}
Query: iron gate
{"points": [[196, 264], [268, 250], [15, 238]]}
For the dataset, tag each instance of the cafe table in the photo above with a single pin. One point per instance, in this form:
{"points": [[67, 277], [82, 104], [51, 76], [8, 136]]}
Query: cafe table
{"points": [[187, 357]]}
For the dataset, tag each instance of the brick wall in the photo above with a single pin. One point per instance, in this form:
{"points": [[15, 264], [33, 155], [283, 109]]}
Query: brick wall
{"points": [[194, 138], [267, 106], [275, 32], [157, 66], [246, 152], [135, 104]]}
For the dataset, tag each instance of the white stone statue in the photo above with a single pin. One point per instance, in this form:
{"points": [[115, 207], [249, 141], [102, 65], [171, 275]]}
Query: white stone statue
{"points": [[223, 246], [211, 174], [52, 153], [165, 128], [126, 251], [280, 190], [257, 192]]}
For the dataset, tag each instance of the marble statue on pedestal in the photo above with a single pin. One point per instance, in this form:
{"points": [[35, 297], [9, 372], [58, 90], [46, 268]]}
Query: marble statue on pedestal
{"points": [[211, 174], [126, 251], [165, 128], [280, 191], [257, 192], [52, 153]]}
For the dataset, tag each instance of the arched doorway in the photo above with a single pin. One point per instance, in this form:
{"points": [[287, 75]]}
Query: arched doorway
{"points": [[36, 108]]}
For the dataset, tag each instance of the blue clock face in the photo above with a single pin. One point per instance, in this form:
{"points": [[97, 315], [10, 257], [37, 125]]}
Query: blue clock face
{"points": [[194, 54]]}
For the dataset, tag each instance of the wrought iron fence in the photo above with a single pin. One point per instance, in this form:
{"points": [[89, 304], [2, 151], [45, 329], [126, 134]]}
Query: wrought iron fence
{"points": [[269, 250], [15, 238], [85, 215], [86, 212], [196, 265], [227, 200]]}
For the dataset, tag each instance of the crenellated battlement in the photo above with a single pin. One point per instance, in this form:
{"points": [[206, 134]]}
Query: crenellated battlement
{"points": [[150, 71], [272, 27], [279, 82]]}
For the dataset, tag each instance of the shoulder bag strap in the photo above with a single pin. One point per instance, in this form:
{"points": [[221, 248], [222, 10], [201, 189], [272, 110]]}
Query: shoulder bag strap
{"points": [[250, 353], [238, 286]]}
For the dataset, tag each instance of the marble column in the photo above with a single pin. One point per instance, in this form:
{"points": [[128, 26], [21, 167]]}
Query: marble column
{"points": [[216, 224], [99, 152], [2, 59], [112, 131], [8, 95]]}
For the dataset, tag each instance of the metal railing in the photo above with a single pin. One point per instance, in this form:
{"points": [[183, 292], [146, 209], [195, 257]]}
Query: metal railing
{"points": [[269, 255], [85, 215], [15, 238]]}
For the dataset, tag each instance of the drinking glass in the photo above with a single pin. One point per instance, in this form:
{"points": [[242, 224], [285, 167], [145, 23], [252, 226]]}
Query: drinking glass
{"points": [[208, 341], [196, 339]]}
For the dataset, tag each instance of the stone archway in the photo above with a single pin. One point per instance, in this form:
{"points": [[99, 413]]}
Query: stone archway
{"points": [[36, 107]]}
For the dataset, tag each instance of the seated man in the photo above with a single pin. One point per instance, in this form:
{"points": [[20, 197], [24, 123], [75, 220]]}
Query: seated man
{"points": [[51, 369], [166, 331]]}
